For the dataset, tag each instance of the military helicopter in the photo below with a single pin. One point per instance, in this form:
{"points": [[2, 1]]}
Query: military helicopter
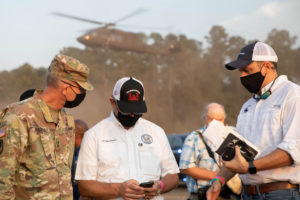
{"points": [[109, 37]]}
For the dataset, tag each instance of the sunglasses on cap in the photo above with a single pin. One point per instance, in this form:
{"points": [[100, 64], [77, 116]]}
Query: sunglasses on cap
{"points": [[80, 88]]}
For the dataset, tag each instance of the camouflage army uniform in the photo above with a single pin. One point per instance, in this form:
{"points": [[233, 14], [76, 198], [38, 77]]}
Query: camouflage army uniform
{"points": [[37, 152]]}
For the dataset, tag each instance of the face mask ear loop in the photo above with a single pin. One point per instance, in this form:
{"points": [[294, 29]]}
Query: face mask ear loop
{"points": [[73, 90]]}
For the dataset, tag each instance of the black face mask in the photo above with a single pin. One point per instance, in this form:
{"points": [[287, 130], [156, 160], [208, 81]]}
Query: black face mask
{"points": [[78, 99], [253, 82], [126, 120]]}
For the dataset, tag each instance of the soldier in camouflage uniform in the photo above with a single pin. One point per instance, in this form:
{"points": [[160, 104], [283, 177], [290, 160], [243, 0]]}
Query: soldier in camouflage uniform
{"points": [[37, 139]]}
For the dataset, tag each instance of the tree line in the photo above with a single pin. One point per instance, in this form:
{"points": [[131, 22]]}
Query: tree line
{"points": [[177, 86]]}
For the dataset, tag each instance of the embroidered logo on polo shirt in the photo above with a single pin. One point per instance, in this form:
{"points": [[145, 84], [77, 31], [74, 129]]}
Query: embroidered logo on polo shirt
{"points": [[147, 139], [112, 140], [247, 108], [277, 106]]}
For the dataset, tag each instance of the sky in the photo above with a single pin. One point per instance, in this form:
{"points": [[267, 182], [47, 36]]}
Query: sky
{"points": [[30, 34]]}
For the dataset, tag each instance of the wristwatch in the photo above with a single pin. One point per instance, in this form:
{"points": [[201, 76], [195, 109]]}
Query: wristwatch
{"points": [[252, 168]]}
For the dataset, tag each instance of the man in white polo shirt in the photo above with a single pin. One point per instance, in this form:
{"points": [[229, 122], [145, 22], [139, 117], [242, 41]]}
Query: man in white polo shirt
{"points": [[124, 151], [270, 120]]}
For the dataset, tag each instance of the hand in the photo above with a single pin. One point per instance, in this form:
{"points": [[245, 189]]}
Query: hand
{"points": [[151, 192], [238, 164], [214, 191], [131, 190]]}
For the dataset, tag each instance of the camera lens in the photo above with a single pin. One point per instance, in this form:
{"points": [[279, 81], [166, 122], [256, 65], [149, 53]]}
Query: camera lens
{"points": [[229, 153]]}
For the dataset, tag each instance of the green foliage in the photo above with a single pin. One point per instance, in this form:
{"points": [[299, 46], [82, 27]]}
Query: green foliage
{"points": [[15, 82], [177, 85]]}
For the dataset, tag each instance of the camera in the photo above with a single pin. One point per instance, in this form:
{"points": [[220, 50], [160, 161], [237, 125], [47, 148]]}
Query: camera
{"points": [[229, 151]]}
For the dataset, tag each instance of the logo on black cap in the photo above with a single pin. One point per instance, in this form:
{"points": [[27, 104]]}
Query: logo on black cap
{"points": [[129, 95]]}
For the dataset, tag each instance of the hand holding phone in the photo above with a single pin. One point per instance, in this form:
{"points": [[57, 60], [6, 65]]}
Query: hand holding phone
{"points": [[148, 184]]}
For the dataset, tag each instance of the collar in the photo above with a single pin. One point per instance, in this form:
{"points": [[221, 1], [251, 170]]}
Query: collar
{"points": [[43, 106], [277, 82]]}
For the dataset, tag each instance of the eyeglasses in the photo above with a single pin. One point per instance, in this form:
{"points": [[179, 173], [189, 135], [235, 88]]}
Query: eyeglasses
{"points": [[80, 88]]}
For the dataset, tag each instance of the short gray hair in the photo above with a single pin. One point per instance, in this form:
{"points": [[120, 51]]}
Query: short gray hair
{"points": [[216, 108], [52, 81]]}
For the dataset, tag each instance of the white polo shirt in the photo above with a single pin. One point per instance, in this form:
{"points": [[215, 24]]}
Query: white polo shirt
{"points": [[274, 123], [109, 153]]}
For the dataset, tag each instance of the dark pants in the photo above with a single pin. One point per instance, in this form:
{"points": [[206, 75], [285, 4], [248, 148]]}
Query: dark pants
{"points": [[201, 195], [76, 194]]}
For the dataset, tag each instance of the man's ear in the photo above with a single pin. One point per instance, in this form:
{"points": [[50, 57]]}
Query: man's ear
{"points": [[111, 100], [269, 65], [204, 118], [64, 87], [112, 103]]}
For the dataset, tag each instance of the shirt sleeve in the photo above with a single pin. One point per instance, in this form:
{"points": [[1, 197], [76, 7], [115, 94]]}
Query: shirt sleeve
{"points": [[13, 140], [87, 164], [290, 128], [188, 158], [168, 164]]}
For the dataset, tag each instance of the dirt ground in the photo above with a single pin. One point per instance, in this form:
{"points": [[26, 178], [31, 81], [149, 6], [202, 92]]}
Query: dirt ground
{"points": [[179, 193]]}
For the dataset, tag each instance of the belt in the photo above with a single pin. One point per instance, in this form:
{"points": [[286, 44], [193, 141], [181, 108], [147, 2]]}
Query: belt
{"points": [[268, 187]]}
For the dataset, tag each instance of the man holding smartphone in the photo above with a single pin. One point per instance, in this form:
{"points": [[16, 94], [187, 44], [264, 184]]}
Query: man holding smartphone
{"points": [[125, 156]]}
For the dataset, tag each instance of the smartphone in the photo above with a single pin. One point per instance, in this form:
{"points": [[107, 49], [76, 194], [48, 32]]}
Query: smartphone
{"points": [[147, 184]]}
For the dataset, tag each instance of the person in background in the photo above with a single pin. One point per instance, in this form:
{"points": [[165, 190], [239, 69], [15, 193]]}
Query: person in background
{"points": [[195, 160], [27, 94], [80, 128]]}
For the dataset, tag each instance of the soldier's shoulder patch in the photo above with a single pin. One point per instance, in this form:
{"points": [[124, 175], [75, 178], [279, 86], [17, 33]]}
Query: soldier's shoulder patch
{"points": [[2, 131]]}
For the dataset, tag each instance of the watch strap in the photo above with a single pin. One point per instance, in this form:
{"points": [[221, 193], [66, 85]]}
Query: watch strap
{"points": [[252, 168]]}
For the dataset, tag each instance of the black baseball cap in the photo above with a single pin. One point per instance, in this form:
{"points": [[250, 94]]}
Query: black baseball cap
{"points": [[257, 51], [129, 95]]}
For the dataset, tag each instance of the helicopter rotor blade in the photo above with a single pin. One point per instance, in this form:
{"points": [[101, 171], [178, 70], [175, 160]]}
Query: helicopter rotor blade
{"points": [[136, 12], [144, 27], [77, 18], [85, 31]]}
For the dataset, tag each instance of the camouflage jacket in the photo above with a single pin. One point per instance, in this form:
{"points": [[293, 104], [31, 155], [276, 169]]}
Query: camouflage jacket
{"points": [[35, 153]]}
